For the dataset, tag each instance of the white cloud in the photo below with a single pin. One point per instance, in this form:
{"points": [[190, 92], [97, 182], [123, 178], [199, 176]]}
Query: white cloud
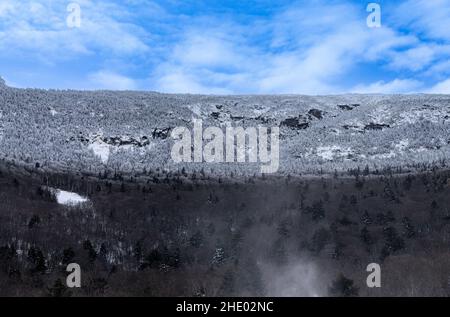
{"points": [[429, 18], [211, 50], [441, 88], [6, 8], [439, 69], [308, 48], [414, 59], [394, 86], [213, 61], [109, 80], [39, 29], [228, 57], [177, 80]]}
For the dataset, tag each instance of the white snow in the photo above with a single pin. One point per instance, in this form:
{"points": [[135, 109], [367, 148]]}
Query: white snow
{"points": [[355, 125], [69, 198], [391, 154], [397, 149], [104, 150], [417, 115], [329, 153], [53, 112], [402, 145], [326, 152], [380, 115], [335, 131], [101, 150], [259, 110], [196, 109], [420, 149]]}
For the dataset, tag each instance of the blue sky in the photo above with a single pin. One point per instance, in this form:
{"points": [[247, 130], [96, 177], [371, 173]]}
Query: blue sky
{"points": [[228, 46]]}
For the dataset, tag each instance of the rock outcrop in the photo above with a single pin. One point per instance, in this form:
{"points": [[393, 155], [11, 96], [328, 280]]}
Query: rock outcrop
{"points": [[295, 123], [349, 107]]}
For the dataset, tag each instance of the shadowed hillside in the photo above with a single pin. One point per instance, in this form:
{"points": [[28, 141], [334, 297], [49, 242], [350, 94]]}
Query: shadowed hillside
{"points": [[250, 237]]}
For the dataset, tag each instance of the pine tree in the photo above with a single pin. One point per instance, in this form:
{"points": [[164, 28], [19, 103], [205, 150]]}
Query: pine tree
{"points": [[343, 287]]}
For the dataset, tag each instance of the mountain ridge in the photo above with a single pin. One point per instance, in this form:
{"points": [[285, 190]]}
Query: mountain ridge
{"points": [[111, 131]]}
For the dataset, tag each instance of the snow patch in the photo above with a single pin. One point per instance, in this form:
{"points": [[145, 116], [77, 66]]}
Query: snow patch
{"points": [[101, 150], [196, 109], [391, 154], [69, 198], [330, 153], [402, 145], [381, 115], [422, 114], [260, 110]]}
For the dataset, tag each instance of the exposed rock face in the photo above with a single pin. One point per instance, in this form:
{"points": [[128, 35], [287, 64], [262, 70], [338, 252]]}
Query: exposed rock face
{"points": [[124, 140], [215, 115], [349, 107], [121, 141], [161, 133], [295, 123], [263, 119], [356, 128], [376, 126], [316, 113], [369, 127]]}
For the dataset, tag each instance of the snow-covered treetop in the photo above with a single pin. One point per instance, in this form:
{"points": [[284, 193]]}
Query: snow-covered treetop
{"points": [[130, 132]]}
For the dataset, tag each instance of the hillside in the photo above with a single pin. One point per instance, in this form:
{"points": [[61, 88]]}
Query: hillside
{"points": [[291, 237], [87, 177], [129, 132]]}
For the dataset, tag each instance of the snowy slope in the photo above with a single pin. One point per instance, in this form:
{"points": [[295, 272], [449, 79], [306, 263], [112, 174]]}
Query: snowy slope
{"points": [[101, 131]]}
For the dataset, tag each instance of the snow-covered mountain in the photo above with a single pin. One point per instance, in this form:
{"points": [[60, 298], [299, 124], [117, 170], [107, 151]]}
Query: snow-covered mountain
{"points": [[130, 131]]}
